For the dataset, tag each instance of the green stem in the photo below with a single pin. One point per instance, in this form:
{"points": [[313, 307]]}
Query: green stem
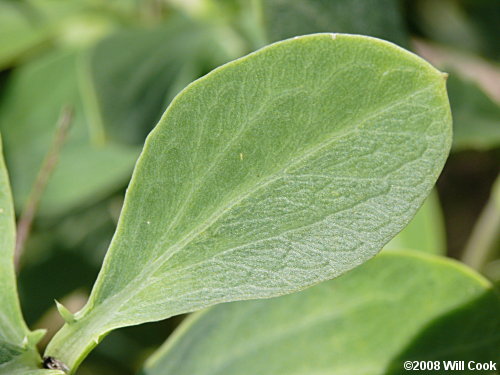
{"points": [[485, 234], [74, 341]]}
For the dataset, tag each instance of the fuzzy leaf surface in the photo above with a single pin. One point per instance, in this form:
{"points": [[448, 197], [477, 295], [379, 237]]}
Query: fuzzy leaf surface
{"points": [[274, 172]]}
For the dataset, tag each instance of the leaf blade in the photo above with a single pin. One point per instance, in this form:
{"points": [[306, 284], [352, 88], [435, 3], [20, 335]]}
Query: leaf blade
{"points": [[156, 146], [273, 184], [17, 343], [13, 327]]}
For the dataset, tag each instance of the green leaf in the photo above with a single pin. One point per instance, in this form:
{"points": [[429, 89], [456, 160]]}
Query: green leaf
{"points": [[19, 367], [67, 315], [426, 230], [400, 306], [17, 343], [468, 25], [17, 34], [378, 18], [279, 170], [483, 18], [30, 27], [476, 117], [13, 328], [85, 172], [131, 74], [21, 370]]}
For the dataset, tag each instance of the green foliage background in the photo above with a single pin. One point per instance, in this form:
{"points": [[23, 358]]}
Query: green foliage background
{"points": [[119, 63]]}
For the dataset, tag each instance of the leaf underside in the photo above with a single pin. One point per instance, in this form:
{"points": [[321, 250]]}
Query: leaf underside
{"points": [[279, 170]]}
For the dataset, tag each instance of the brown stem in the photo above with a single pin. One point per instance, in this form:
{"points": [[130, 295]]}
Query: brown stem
{"points": [[46, 170]]}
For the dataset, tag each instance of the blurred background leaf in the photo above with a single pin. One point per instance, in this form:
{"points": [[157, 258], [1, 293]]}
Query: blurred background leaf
{"points": [[476, 116], [335, 327], [425, 232], [132, 75], [33, 98], [18, 33], [379, 18], [470, 25]]}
